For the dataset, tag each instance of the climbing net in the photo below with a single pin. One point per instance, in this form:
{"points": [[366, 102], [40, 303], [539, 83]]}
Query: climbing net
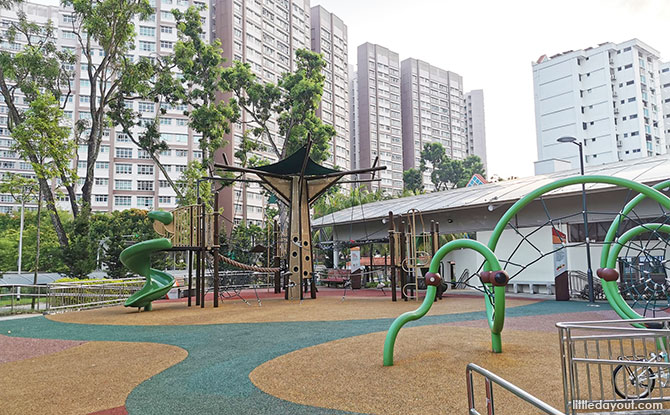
{"points": [[547, 240]]}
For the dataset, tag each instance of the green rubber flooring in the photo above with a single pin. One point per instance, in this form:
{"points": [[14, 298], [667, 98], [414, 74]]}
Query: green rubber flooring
{"points": [[214, 378]]}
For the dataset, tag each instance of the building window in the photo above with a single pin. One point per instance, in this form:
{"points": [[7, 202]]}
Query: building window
{"points": [[122, 200], [123, 184], [147, 46], [102, 165], [166, 29], [101, 181], [145, 169], [145, 185], [101, 198], [145, 201], [122, 168], [147, 31], [165, 200], [146, 107], [124, 152], [181, 153]]}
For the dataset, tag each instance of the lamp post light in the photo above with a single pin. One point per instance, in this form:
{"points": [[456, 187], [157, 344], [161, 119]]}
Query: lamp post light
{"points": [[589, 270]]}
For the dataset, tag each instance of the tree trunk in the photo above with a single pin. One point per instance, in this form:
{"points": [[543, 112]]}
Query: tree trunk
{"points": [[37, 242], [53, 213]]}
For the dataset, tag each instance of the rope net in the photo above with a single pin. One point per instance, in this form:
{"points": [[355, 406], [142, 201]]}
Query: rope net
{"points": [[527, 249]]}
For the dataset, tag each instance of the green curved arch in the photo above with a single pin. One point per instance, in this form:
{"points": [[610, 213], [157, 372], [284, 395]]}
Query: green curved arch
{"points": [[612, 259], [611, 232], [496, 314], [611, 290]]}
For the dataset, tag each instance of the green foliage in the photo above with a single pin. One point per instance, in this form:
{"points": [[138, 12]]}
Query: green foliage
{"points": [[333, 201], [294, 100], [445, 171], [38, 67], [116, 231], [22, 189], [413, 180], [42, 139], [242, 239], [188, 182], [51, 259], [201, 65], [79, 255]]}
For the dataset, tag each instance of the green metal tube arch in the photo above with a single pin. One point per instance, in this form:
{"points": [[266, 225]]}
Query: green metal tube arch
{"points": [[611, 232], [617, 181], [623, 307], [495, 312], [611, 290]]}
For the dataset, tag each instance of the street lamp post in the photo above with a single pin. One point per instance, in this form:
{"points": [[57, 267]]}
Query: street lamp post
{"points": [[589, 270]]}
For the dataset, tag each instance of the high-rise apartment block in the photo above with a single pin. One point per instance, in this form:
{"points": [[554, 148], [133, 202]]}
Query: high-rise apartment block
{"points": [[379, 119], [265, 35], [125, 176], [608, 97], [432, 112], [329, 37], [665, 96], [475, 128], [353, 118]]}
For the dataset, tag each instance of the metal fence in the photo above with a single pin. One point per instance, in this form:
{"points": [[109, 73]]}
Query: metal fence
{"points": [[491, 378], [63, 296], [91, 293], [578, 286], [612, 365], [19, 298]]}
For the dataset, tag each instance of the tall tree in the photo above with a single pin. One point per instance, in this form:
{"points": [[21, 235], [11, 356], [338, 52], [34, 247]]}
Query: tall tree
{"points": [[413, 180], [293, 100], [433, 157], [35, 71], [44, 142], [105, 31]]}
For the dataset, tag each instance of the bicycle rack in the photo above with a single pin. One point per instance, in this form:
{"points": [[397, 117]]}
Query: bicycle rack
{"points": [[613, 363]]}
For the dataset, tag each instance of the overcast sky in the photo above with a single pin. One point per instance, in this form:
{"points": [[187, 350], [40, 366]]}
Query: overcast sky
{"points": [[492, 43]]}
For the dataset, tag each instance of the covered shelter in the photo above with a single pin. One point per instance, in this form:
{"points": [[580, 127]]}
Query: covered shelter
{"points": [[475, 211]]}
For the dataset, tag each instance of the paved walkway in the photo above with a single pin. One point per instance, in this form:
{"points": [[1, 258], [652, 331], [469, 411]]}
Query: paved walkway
{"points": [[214, 378]]}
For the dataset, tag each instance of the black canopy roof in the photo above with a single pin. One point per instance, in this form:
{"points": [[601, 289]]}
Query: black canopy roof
{"points": [[292, 165]]}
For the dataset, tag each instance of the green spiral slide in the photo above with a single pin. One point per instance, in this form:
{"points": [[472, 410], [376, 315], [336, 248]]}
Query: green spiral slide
{"points": [[138, 259]]}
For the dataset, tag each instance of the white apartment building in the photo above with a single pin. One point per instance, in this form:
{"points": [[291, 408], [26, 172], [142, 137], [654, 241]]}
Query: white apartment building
{"points": [[608, 97], [665, 96], [475, 125], [379, 109], [353, 118], [432, 112], [125, 176], [265, 35], [329, 37]]}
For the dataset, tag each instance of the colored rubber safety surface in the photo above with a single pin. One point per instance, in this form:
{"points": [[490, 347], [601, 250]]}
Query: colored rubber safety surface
{"points": [[214, 377]]}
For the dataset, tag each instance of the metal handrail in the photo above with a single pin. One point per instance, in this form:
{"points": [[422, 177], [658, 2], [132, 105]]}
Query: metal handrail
{"points": [[490, 378]]}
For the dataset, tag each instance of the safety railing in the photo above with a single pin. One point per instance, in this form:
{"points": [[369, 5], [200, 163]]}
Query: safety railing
{"points": [[22, 298], [578, 286], [90, 293], [489, 379], [615, 366]]}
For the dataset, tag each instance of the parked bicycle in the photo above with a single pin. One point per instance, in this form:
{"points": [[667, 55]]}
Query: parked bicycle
{"points": [[637, 381]]}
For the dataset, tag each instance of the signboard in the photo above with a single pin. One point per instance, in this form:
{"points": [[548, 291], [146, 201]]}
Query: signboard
{"points": [[558, 240], [355, 258]]}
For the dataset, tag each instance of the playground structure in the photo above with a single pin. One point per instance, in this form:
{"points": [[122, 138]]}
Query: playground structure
{"points": [[137, 259], [297, 181], [494, 278]]}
